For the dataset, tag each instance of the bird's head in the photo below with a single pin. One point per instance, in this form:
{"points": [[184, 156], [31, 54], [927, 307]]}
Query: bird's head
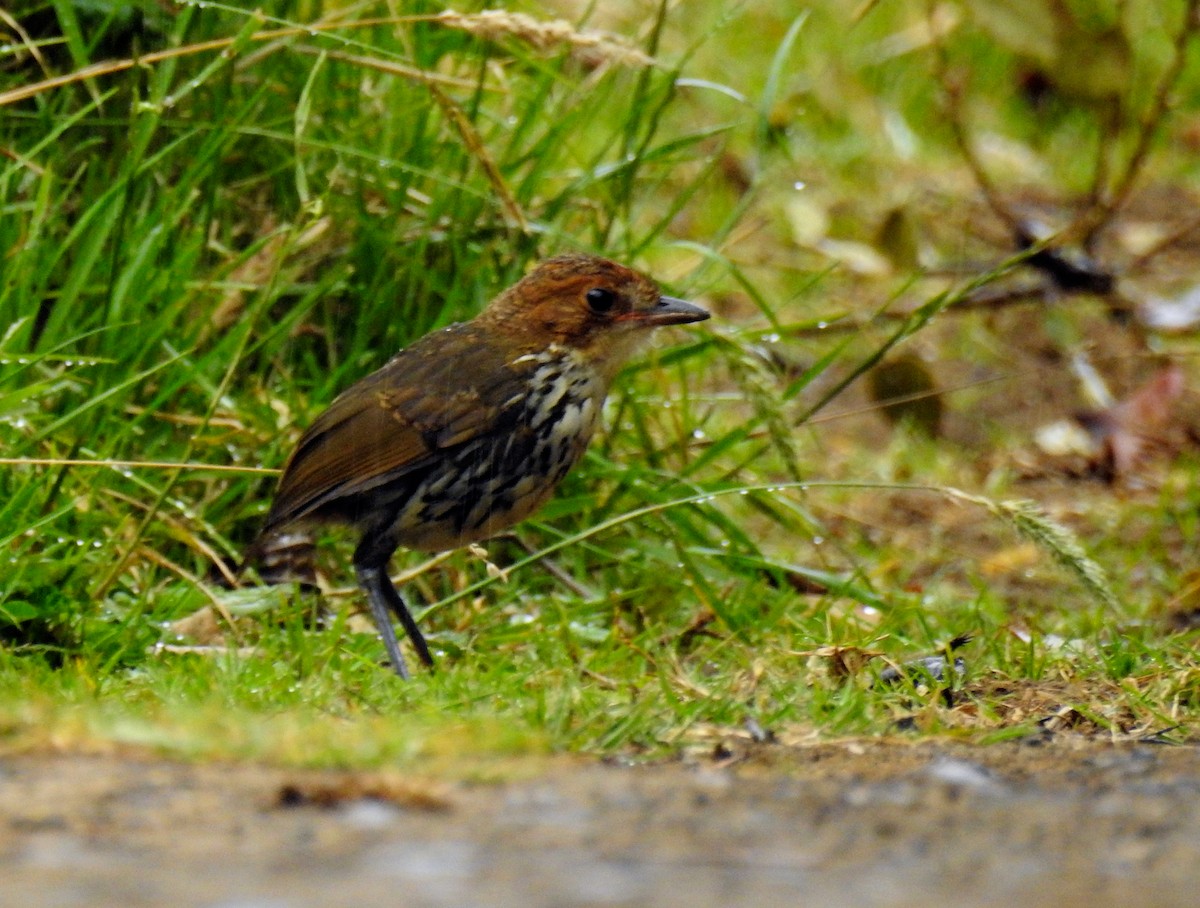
{"points": [[595, 307]]}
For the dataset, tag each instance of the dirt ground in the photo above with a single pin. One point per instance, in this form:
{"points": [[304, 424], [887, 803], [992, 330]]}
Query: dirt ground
{"points": [[847, 824]]}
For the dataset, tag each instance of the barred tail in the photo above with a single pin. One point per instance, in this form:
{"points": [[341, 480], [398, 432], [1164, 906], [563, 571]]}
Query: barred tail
{"points": [[287, 556]]}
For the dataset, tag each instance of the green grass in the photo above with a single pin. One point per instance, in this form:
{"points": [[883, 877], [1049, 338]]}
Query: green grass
{"points": [[199, 251]]}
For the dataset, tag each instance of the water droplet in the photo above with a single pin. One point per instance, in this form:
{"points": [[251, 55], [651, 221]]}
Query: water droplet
{"points": [[799, 185]]}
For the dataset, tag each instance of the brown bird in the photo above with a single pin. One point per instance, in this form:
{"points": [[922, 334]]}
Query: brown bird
{"points": [[468, 431]]}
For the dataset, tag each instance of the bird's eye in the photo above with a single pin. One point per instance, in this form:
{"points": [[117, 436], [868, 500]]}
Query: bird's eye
{"points": [[601, 299]]}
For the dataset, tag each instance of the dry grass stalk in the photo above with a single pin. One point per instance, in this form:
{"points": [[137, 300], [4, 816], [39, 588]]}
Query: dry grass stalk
{"points": [[592, 47]]}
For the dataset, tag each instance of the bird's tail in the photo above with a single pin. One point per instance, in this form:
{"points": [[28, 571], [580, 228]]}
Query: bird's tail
{"points": [[279, 557]]}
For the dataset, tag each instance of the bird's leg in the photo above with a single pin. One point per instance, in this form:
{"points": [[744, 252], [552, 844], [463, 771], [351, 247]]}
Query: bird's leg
{"points": [[375, 581], [370, 564]]}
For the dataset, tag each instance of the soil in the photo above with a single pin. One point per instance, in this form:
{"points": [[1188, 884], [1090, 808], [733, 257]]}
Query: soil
{"points": [[1042, 821]]}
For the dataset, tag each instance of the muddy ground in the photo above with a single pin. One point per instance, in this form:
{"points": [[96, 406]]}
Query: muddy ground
{"points": [[847, 824]]}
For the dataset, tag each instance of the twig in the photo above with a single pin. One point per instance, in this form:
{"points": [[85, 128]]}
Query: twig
{"points": [[553, 568], [952, 92], [108, 67], [214, 601], [1094, 220], [466, 131], [30, 44], [186, 535], [1175, 236], [133, 465]]}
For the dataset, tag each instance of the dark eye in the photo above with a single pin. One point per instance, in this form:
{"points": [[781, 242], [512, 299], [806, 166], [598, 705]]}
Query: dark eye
{"points": [[601, 299]]}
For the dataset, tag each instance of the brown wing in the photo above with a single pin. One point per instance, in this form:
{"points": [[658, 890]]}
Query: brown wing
{"points": [[442, 391]]}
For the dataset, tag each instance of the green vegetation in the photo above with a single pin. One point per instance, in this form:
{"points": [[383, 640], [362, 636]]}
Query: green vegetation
{"points": [[199, 246]]}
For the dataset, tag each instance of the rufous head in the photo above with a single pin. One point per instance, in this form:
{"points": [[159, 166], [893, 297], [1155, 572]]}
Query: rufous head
{"points": [[589, 304]]}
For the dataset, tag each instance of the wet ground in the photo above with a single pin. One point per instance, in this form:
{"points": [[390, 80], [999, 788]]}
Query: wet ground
{"points": [[851, 824]]}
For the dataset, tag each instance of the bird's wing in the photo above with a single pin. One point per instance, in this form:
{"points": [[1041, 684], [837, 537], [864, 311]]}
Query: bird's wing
{"points": [[441, 392]]}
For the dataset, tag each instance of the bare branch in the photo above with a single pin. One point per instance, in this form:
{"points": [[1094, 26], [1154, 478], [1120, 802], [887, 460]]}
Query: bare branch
{"points": [[1096, 218]]}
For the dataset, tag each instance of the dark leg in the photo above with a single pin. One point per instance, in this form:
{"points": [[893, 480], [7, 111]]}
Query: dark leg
{"points": [[370, 564]]}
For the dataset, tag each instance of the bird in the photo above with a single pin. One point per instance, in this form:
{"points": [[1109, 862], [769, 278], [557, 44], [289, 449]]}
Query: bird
{"points": [[468, 430]]}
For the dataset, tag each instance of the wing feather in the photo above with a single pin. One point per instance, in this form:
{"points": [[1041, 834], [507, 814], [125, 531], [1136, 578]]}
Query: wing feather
{"points": [[443, 391]]}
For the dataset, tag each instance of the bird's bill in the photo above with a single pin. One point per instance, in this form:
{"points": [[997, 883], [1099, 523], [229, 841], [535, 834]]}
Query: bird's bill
{"points": [[668, 311]]}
